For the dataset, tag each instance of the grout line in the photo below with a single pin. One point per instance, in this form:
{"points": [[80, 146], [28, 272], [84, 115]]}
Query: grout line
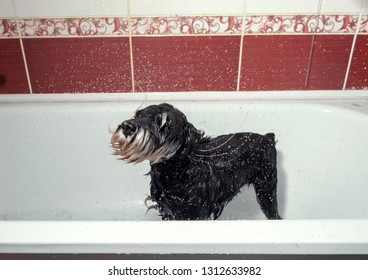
{"points": [[349, 63], [241, 47], [352, 49], [319, 7], [131, 47], [312, 49], [180, 15], [26, 65], [310, 61], [240, 63], [247, 34], [183, 35], [9, 37], [67, 36], [22, 48]]}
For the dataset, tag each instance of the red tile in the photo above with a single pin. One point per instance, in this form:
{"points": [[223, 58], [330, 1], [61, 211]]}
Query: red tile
{"points": [[62, 65], [358, 74], [13, 78], [277, 62], [329, 63], [192, 63]]}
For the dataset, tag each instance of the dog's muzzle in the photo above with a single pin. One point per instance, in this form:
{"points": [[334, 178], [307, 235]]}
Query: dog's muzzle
{"points": [[135, 144], [125, 131], [131, 142], [128, 128]]}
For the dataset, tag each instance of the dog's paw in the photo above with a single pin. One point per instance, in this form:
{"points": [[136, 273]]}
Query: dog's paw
{"points": [[149, 207]]}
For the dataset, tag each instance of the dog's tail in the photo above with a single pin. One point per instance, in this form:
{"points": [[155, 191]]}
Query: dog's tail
{"points": [[271, 137]]}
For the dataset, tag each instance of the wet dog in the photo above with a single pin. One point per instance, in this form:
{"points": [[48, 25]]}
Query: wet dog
{"points": [[193, 177]]}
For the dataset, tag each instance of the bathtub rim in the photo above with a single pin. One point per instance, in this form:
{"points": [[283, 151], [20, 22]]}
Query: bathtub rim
{"points": [[185, 96], [333, 236]]}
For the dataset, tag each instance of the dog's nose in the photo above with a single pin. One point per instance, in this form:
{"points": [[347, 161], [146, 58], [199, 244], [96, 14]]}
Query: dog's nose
{"points": [[129, 128]]}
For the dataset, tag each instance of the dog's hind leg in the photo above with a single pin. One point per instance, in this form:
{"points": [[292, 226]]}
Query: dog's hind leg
{"points": [[265, 182], [266, 193], [265, 185]]}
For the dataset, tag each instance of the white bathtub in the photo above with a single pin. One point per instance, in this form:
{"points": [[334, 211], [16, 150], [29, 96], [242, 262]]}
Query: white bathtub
{"points": [[61, 190]]}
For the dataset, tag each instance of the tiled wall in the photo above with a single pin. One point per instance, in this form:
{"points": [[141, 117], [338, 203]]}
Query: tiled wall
{"points": [[81, 46]]}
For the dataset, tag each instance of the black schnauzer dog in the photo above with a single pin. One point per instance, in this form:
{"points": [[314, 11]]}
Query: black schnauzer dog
{"points": [[194, 177]]}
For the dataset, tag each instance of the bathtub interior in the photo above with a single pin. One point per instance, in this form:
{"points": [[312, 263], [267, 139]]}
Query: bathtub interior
{"points": [[56, 162]]}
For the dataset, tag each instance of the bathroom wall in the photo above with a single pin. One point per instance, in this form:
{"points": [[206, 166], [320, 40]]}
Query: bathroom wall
{"points": [[84, 46]]}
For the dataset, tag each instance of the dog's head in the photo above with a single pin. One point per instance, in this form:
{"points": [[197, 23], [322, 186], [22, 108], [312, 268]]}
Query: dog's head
{"points": [[156, 133]]}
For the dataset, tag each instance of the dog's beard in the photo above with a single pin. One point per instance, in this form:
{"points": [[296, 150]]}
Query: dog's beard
{"points": [[140, 146]]}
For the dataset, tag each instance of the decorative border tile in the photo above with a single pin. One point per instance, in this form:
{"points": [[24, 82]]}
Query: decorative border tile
{"points": [[253, 24], [8, 28], [364, 24], [74, 27], [301, 24], [187, 25], [183, 25]]}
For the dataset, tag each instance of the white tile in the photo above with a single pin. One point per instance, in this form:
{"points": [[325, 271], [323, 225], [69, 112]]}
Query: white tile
{"points": [[6, 9], [282, 7], [341, 6], [186, 7], [365, 7], [71, 8]]}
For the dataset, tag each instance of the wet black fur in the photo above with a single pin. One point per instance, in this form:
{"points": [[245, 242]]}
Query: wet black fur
{"points": [[206, 173]]}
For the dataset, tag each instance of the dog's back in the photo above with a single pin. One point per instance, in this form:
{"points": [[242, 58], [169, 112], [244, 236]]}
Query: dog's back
{"points": [[204, 182]]}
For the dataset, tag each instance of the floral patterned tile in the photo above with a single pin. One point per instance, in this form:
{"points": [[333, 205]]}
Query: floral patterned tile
{"points": [[8, 28], [364, 24], [222, 25], [301, 24], [74, 27], [187, 25]]}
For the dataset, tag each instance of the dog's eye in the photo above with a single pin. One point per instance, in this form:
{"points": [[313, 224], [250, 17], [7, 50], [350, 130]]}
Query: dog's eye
{"points": [[137, 114], [159, 121]]}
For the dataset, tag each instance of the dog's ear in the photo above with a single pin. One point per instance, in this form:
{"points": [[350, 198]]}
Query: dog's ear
{"points": [[165, 120]]}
